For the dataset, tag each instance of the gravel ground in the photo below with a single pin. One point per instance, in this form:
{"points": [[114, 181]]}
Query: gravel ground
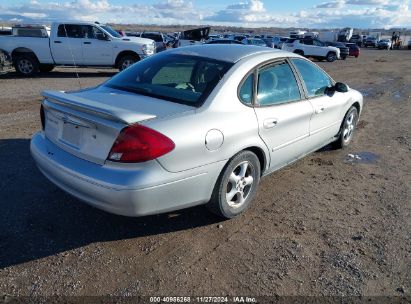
{"points": [[329, 225]]}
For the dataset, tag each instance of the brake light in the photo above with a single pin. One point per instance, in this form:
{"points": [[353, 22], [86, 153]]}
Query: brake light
{"points": [[138, 143]]}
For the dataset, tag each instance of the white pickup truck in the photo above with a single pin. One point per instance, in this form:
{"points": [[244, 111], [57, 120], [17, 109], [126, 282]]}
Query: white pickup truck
{"points": [[310, 47], [38, 48]]}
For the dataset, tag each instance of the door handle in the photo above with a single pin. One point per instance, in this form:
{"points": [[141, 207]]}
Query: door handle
{"points": [[57, 41], [87, 42], [270, 123], [319, 109]]}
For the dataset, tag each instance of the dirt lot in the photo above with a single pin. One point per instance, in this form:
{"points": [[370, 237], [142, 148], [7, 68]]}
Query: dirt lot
{"points": [[329, 225]]}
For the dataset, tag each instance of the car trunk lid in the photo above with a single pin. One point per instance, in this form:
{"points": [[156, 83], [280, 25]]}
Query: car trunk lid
{"points": [[87, 123]]}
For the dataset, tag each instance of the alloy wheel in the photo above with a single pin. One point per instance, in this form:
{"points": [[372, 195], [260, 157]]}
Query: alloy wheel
{"points": [[240, 184]]}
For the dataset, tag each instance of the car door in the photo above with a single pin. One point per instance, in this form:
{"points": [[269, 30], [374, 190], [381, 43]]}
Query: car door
{"points": [[66, 45], [283, 115], [327, 116], [97, 49]]}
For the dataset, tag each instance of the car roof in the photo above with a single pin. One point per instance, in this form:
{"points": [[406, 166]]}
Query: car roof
{"points": [[224, 52]]}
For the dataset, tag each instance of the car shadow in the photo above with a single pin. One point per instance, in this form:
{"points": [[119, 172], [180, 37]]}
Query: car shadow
{"points": [[37, 219], [66, 73]]}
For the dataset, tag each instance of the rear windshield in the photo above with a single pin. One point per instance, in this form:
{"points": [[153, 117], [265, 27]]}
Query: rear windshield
{"points": [[178, 78]]}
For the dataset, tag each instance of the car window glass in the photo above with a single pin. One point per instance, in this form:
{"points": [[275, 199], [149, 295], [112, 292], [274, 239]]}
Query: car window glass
{"points": [[277, 84], [318, 43], [70, 31], [178, 78], [95, 33], [316, 81], [246, 90]]}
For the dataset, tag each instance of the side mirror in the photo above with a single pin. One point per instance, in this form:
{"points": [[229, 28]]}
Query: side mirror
{"points": [[341, 87]]}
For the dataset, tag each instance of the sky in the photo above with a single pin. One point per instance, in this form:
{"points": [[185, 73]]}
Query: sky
{"points": [[246, 13]]}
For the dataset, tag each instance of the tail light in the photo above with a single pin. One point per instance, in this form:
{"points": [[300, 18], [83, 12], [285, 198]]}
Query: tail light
{"points": [[137, 144], [42, 117]]}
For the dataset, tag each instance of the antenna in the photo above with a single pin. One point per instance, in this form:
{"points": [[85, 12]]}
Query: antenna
{"points": [[72, 56]]}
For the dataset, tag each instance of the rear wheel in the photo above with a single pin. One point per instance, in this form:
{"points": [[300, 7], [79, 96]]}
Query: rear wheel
{"points": [[347, 129], [26, 65], [237, 186], [126, 61]]}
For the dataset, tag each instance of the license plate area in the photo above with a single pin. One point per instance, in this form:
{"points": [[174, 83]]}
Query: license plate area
{"points": [[71, 134], [67, 130]]}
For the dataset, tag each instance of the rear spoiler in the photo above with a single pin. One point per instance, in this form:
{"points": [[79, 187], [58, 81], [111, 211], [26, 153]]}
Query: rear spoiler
{"points": [[95, 108]]}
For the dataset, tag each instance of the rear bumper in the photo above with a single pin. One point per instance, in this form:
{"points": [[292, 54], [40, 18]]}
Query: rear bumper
{"points": [[130, 190]]}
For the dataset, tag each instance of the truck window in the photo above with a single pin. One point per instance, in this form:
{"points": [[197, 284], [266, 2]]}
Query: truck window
{"points": [[70, 31]]}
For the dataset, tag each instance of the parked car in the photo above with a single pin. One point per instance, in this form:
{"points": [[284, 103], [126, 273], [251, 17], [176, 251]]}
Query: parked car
{"points": [[354, 49], [5, 31], [194, 36], [312, 48], [278, 41], [371, 42], [268, 42], [76, 44], [190, 126], [344, 50], [384, 44], [240, 37], [409, 44], [224, 41], [254, 41], [357, 39], [159, 39]]}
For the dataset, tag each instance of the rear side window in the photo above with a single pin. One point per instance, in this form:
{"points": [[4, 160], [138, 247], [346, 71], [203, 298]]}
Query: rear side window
{"points": [[71, 31], [276, 85], [315, 80], [246, 90]]}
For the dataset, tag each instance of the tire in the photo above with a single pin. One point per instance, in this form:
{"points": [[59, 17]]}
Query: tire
{"points": [[26, 65], [236, 186], [347, 130], [126, 61], [44, 68], [331, 57], [344, 57]]}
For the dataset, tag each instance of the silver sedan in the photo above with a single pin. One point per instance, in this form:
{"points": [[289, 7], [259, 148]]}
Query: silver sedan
{"points": [[194, 125]]}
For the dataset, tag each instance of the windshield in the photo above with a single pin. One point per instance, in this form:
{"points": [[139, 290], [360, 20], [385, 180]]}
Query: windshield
{"points": [[110, 30], [178, 78]]}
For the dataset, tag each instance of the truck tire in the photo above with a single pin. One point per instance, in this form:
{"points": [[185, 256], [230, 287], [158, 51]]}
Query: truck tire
{"points": [[126, 61], [26, 65], [331, 57], [44, 68]]}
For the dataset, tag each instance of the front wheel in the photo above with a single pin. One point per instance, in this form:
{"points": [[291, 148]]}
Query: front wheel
{"points": [[237, 186], [347, 129], [126, 61], [331, 57]]}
